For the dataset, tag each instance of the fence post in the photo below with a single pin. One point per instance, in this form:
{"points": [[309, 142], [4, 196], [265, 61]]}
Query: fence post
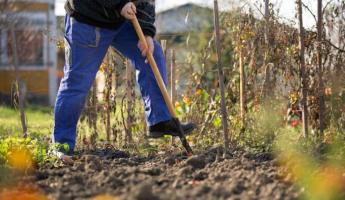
{"points": [[108, 89], [173, 82], [93, 110], [242, 86], [173, 76], [129, 101], [221, 79]]}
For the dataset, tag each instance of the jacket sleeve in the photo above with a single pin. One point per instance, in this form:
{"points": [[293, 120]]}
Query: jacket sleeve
{"points": [[146, 16]]}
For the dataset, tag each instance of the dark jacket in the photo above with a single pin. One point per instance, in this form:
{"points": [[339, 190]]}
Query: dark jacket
{"points": [[106, 13]]}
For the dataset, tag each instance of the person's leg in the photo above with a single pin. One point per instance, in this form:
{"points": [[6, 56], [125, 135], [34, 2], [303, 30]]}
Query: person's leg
{"points": [[85, 48], [126, 42]]}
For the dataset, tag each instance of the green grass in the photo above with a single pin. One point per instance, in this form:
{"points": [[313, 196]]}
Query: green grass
{"points": [[39, 121]]}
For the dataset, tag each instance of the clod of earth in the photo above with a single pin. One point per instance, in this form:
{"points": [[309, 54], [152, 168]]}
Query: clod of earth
{"points": [[144, 192], [197, 162]]}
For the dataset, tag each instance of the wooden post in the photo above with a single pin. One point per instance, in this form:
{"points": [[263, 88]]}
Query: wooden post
{"points": [[173, 76], [267, 20], [320, 68], [108, 85], [266, 83], [221, 79], [114, 92], [129, 101], [302, 69], [242, 86], [93, 110], [18, 84], [173, 82]]}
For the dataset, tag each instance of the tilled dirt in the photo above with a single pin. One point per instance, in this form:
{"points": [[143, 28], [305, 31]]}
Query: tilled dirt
{"points": [[167, 176]]}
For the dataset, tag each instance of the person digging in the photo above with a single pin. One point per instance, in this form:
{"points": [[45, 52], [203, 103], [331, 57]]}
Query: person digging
{"points": [[91, 27]]}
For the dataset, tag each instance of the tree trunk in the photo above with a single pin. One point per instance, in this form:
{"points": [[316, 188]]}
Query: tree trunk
{"points": [[221, 79], [19, 90], [302, 69], [267, 20], [266, 83], [320, 68], [340, 31]]}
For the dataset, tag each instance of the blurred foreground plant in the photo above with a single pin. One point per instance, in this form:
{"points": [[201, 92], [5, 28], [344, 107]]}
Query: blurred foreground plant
{"points": [[318, 168]]}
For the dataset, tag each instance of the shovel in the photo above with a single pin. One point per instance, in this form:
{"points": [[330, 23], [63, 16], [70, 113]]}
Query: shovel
{"points": [[162, 87]]}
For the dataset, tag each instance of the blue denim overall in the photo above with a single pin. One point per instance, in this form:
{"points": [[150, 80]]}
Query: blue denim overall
{"points": [[86, 47]]}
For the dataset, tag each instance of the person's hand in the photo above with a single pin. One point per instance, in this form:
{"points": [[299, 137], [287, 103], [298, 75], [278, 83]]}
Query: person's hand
{"points": [[145, 49], [129, 11]]}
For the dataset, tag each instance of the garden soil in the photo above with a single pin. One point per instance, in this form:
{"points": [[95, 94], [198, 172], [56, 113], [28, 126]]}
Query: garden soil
{"points": [[112, 174]]}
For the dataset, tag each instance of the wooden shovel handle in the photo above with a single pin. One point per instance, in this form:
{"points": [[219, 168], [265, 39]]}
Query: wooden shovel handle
{"points": [[154, 68]]}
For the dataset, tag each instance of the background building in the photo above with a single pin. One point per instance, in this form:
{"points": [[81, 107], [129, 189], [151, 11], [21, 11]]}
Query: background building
{"points": [[181, 20], [34, 25]]}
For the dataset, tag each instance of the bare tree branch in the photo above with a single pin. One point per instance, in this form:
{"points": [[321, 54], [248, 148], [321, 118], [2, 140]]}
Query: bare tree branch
{"points": [[334, 46], [309, 10], [256, 6], [327, 4]]}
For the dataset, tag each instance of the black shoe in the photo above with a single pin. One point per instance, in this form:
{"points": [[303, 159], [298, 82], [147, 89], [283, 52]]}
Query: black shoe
{"points": [[169, 128]]}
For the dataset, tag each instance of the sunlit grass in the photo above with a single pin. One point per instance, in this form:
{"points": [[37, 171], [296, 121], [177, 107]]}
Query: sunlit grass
{"points": [[39, 121]]}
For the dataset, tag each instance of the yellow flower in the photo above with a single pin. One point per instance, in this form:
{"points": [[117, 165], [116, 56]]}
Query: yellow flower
{"points": [[328, 91], [311, 99], [60, 44], [328, 137], [198, 92], [294, 97], [20, 159], [187, 100]]}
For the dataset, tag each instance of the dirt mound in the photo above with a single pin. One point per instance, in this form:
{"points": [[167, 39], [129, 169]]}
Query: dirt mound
{"points": [[170, 176]]}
